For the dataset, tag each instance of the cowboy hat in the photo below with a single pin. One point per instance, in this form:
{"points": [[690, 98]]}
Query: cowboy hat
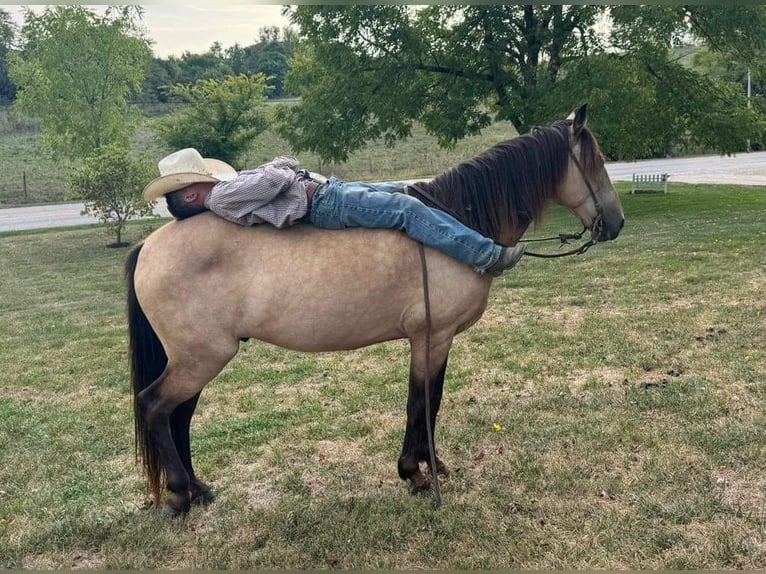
{"points": [[183, 168]]}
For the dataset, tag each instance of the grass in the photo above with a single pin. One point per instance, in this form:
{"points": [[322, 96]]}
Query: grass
{"points": [[627, 386], [46, 178]]}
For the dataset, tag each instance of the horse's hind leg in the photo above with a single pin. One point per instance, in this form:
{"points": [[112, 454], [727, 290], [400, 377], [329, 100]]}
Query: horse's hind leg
{"points": [[177, 387], [416, 448], [180, 422]]}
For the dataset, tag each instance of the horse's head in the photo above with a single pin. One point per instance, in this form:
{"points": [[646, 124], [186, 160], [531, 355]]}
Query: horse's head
{"points": [[586, 188]]}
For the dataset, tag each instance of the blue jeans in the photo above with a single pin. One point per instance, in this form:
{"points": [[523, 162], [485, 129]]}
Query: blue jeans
{"points": [[338, 204]]}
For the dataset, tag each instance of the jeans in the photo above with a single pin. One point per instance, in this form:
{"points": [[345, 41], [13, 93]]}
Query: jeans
{"points": [[338, 205]]}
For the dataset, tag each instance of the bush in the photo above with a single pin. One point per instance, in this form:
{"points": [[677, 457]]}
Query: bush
{"points": [[222, 118], [110, 183]]}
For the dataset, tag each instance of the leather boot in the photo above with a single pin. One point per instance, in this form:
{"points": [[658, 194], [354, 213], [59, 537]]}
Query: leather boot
{"points": [[509, 256]]}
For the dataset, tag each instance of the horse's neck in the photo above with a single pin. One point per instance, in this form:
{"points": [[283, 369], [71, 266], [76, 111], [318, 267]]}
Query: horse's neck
{"points": [[509, 227], [511, 235]]}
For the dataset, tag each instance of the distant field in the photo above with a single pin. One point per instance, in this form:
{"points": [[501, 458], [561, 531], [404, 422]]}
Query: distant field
{"points": [[46, 178], [607, 412]]}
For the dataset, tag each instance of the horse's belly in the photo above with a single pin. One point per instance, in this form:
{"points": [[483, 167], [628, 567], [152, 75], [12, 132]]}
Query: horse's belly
{"points": [[323, 311]]}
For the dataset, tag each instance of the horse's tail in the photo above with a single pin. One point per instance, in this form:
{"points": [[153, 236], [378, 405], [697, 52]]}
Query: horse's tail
{"points": [[147, 363]]}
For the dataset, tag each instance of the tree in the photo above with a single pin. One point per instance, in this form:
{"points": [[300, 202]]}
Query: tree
{"points": [[160, 75], [111, 182], [222, 117], [76, 71], [210, 65], [372, 71], [269, 56], [7, 35]]}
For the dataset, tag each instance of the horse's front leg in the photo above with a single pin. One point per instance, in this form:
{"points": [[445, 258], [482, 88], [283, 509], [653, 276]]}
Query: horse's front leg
{"points": [[416, 448]]}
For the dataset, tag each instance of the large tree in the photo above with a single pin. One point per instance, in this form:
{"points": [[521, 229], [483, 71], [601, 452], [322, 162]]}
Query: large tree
{"points": [[368, 72], [76, 71]]}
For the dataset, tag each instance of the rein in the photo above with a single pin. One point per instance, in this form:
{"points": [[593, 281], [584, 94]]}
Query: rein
{"points": [[429, 431], [437, 497], [563, 238]]}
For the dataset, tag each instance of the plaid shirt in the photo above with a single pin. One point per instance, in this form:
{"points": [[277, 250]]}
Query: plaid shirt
{"points": [[270, 193]]}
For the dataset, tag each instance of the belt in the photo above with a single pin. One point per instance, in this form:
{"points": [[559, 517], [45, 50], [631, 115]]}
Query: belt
{"points": [[311, 187], [311, 182]]}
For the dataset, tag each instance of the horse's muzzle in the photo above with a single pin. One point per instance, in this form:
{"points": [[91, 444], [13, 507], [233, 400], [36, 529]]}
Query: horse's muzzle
{"points": [[603, 231]]}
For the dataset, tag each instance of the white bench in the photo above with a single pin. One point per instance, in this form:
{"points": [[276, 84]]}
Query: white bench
{"points": [[649, 182]]}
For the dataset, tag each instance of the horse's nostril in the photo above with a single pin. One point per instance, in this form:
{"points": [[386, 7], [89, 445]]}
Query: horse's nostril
{"points": [[622, 223]]}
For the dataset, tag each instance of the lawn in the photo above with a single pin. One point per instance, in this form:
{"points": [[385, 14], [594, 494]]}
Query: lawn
{"points": [[606, 412]]}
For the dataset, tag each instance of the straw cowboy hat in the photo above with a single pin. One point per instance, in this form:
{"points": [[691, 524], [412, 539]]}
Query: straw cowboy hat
{"points": [[185, 167]]}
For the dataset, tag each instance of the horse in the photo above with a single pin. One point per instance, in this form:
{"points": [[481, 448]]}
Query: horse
{"points": [[198, 287]]}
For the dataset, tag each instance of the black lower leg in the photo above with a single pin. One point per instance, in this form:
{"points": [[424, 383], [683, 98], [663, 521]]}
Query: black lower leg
{"points": [[157, 418], [416, 448], [180, 422]]}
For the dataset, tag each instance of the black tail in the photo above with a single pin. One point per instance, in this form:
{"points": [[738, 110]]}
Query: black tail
{"points": [[147, 363]]}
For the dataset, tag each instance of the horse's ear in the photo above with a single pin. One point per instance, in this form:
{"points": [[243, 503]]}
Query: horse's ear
{"points": [[579, 118]]}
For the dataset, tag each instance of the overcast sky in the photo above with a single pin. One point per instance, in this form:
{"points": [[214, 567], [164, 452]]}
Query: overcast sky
{"points": [[176, 28]]}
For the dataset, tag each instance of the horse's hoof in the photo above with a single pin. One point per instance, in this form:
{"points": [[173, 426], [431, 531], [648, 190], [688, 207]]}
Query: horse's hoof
{"points": [[204, 498], [419, 483], [169, 512]]}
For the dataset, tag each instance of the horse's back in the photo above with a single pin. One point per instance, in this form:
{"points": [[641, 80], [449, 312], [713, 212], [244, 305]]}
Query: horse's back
{"points": [[301, 288]]}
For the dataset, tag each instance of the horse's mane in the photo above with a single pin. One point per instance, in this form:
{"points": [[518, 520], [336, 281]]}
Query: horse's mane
{"points": [[513, 180]]}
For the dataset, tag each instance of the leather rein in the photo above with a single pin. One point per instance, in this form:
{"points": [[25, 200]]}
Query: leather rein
{"points": [[563, 238]]}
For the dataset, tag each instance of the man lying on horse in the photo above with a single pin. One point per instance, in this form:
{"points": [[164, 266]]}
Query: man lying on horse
{"points": [[281, 194]]}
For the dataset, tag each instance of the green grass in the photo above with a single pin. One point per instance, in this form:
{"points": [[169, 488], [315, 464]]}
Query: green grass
{"points": [[46, 178], [628, 384]]}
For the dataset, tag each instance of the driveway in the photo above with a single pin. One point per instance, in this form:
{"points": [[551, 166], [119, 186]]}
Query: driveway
{"points": [[51, 215], [742, 169]]}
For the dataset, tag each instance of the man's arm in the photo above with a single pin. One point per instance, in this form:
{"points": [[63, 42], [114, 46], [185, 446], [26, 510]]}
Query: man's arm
{"points": [[287, 161], [251, 189]]}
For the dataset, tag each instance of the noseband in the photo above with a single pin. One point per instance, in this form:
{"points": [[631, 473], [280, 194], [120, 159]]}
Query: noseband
{"points": [[564, 238]]}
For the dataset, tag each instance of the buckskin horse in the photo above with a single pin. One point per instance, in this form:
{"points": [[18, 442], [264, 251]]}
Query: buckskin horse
{"points": [[198, 287]]}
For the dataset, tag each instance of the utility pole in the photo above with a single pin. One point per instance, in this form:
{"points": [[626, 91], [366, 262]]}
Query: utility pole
{"points": [[748, 103]]}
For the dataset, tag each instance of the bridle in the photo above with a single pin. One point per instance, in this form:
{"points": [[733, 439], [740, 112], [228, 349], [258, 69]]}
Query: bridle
{"points": [[565, 238]]}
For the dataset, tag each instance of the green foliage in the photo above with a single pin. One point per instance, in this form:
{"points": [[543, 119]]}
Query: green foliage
{"points": [[76, 71], [7, 35], [110, 183], [643, 109], [222, 118], [269, 56], [367, 72]]}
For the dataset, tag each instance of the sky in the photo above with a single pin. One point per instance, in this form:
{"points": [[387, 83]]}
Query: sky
{"points": [[177, 28]]}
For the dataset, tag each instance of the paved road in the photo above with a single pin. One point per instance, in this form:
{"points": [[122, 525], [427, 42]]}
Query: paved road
{"points": [[742, 169], [51, 215]]}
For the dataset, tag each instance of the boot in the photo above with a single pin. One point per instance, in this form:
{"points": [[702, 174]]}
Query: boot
{"points": [[509, 256]]}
